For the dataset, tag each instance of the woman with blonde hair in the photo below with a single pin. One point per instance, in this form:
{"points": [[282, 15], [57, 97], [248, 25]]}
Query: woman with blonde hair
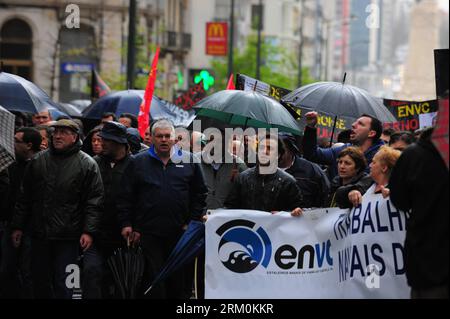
{"points": [[380, 170]]}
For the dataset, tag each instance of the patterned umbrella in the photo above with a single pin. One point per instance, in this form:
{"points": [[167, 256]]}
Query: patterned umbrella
{"points": [[7, 154]]}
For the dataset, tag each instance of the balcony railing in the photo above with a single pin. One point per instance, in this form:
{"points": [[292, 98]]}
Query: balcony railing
{"points": [[176, 41]]}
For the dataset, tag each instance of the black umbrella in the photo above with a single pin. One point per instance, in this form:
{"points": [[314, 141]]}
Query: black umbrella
{"points": [[70, 109], [338, 99], [18, 94], [129, 101], [127, 267], [80, 104], [246, 109]]}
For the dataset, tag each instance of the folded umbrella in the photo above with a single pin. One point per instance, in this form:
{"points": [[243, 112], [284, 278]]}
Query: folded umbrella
{"points": [[188, 246], [127, 267]]}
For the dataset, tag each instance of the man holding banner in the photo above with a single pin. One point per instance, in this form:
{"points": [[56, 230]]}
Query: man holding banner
{"points": [[266, 187]]}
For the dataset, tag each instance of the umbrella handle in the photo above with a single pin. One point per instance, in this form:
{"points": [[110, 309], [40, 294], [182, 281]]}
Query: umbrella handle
{"points": [[149, 288]]}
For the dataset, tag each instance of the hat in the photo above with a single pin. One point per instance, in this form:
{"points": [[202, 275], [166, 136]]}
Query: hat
{"points": [[67, 124], [290, 142], [114, 131], [134, 139]]}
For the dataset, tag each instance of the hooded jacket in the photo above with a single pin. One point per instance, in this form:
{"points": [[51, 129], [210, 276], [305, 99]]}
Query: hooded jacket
{"points": [[61, 196]]}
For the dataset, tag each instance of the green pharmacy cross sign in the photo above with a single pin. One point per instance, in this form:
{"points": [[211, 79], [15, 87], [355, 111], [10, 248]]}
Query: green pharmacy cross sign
{"points": [[206, 77]]}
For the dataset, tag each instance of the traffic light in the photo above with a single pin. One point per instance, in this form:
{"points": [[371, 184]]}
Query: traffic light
{"points": [[204, 76]]}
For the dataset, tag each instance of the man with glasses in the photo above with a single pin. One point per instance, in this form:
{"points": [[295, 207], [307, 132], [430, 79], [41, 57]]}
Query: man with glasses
{"points": [[60, 201], [162, 190]]}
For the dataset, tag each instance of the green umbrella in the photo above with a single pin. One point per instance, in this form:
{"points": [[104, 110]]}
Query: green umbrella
{"points": [[246, 109]]}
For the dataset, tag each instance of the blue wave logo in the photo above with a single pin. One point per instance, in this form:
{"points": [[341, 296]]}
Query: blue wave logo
{"points": [[241, 248]]}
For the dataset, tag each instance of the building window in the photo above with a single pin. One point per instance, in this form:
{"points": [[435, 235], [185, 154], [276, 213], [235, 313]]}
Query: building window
{"points": [[16, 44], [78, 56], [257, 13]]}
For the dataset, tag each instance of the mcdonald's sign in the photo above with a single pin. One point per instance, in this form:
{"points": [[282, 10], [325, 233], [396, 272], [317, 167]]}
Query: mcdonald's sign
{"points": [[217, 38]]}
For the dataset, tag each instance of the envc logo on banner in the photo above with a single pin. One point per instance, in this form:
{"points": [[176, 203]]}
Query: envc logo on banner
{"points": [[242, 248]]}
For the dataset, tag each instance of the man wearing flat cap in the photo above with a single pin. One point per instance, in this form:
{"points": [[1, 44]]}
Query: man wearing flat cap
{"points": [[60, 203], [115, 156]]}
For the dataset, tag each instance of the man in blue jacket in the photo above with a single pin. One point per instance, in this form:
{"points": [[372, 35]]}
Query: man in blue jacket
{"points": [[163, 189], [366, 132]]}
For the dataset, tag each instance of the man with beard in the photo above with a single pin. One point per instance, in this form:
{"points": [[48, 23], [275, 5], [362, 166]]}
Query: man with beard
{"points": [[365, 134]]}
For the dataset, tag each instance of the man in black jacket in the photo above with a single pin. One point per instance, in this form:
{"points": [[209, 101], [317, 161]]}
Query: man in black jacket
{"points": [[27, 143], [311, 180], [266, 187], [419, 182], [162, 190], [97, 280], [61, 200]]}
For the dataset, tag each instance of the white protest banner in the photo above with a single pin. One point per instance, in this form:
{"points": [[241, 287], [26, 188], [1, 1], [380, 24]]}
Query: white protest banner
{"points": [[326, 253]]}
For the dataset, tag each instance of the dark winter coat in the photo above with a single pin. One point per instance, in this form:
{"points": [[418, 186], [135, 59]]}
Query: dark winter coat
{"points": [[274, 192], [312, 181], [338, 196], [62, 195], [419, 182], [157, 199], [111, 177]]}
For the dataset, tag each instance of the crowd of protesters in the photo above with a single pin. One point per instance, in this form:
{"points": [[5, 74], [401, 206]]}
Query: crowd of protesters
{"points": [[68, 195]]}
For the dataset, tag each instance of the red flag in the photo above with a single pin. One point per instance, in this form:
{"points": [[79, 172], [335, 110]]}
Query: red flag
{"points": [[98, 87], [144, 109], [230, 85]]}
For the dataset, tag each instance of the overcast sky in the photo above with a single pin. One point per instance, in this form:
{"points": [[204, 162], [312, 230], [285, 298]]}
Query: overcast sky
{"points": [[444, 4]]}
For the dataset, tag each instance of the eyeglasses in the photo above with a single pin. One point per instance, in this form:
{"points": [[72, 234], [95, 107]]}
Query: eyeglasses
{"points": [[64, 132]]}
